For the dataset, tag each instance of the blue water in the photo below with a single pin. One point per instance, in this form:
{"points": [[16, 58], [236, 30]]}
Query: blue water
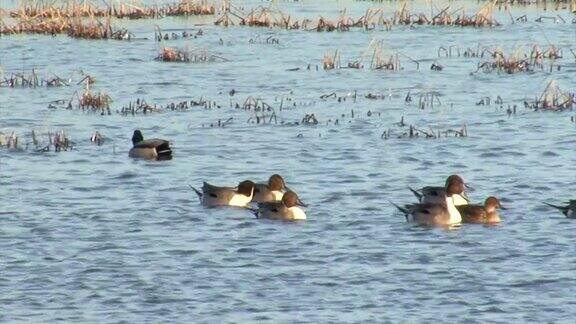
{"points": [[90, 235]]}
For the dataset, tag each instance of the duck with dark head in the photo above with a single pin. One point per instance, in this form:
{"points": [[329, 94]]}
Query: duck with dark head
{"points": [[271, 191], [150, 149], [442, 213], [286, 209], [434, 194]]}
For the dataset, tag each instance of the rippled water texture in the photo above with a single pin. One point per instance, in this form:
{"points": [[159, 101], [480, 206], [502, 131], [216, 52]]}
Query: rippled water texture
{"points": [[92, 236]]}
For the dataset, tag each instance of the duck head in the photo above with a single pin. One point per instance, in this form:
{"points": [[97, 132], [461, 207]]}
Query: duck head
{"points": [[276, 183], [246, 188], [137, 137], [491, 204], [290, 199], [455, 186]]}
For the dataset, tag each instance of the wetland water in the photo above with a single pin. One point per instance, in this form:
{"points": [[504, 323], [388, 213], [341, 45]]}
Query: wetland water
{"points": [[90, 235]]}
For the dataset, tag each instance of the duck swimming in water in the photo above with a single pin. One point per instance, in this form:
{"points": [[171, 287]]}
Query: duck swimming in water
{"points": [[212, 196], [151, 149], [435, 195], [286, 209], [436, 214], [271, 191], [567, 210], [481, 214]]}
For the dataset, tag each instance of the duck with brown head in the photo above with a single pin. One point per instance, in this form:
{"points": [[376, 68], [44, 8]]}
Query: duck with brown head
{"points": [[271, 191], [436, 214], [150, 149], [481, 214], [240, 196], [435, 195], [286, 209]]}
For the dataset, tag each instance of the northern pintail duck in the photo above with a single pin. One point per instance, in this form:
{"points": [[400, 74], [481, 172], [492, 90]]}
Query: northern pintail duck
{"points": [[271, 191], [435, 195], [151, 149], [436, 214], [212, 196], [568, 210], [286, 209], [481, 214]]}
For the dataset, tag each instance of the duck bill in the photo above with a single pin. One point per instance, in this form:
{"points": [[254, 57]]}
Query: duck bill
{"points": [[469, 188], [300, 203], [503, 208]]}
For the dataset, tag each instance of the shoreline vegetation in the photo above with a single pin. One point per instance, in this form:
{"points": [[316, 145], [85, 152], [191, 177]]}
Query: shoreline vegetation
{"points": [[84, 19]]}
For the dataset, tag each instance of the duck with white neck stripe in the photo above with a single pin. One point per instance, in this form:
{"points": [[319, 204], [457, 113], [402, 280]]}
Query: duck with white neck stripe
{"points": [[437, 214], [435, 195]]}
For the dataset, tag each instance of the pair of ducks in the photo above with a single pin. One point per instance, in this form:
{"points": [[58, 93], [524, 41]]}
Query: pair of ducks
{"points": [[274, 199], [449, 205]]}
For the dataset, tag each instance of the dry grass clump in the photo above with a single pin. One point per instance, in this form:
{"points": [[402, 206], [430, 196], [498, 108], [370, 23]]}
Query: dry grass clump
{"points": [[95, 29], [78, 27], [95, 102], [182, 8], [331, 61], [519, 60], [84, 8], [554, 99], [168, 54], [57, 142], [545, 4], [131, 11], [138, 107], [10, 141], [88, 101], [254, 104], [32, 80], [379, 60], [68, 10], [266, 17], [189, 8], [37, 17], [382, 62], [447, 17], [36, 25], [513, 63]]}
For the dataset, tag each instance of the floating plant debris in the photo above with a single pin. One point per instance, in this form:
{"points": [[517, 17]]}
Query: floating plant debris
{"points": [[32, 80], [220, 123], [56, 142], [404, 130], [519, 61], [184, 34], [553, 99], [168, 54]]}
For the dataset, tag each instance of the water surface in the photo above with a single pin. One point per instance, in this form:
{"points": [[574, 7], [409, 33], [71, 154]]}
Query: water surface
{"points": [[92, 236]]}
